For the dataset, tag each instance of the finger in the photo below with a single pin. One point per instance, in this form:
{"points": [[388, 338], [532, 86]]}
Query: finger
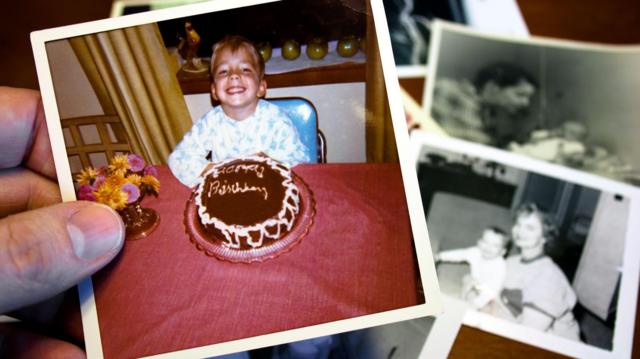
{"points": [[59, 314], [22, 189], [48, 250], [18, 342], [23, 132]]}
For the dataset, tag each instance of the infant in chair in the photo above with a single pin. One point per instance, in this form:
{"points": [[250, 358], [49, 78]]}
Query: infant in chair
{"points": [[487, 263]]}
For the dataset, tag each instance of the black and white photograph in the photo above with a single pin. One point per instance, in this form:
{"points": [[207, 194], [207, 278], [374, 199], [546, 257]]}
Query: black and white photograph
{"points": [[410, 26], [528, 249], [568, 103], [410, 23]]}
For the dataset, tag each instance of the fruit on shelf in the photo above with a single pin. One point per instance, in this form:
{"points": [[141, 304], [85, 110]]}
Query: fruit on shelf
{"points": [[290, 50], [347, 46], [265, 50], [317, 48]]}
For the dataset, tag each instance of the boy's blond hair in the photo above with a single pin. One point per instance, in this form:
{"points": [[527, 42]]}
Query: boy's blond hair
{"points": [[233, 43]]}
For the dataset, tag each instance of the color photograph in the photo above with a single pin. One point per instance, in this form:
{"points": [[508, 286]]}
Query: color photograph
{"points": [[255, 168]]}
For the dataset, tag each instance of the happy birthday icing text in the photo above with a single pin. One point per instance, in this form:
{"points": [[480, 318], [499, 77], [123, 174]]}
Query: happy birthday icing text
{"points": [[255, 168], [224, 188]]}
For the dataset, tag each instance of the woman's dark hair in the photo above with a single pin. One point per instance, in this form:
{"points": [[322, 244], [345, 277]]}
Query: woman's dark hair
{"points": [[549, 226], [503, 74]]}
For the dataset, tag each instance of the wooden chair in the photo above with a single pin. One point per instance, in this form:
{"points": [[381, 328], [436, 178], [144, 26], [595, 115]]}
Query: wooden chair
{"points": [[94, 140]]}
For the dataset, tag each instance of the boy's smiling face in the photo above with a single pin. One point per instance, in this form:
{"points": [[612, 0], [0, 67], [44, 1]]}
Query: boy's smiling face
{"points": [[237, 82]]}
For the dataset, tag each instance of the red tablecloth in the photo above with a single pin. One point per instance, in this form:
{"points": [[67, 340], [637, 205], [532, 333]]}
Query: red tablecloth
{"points": [[161, 294]]}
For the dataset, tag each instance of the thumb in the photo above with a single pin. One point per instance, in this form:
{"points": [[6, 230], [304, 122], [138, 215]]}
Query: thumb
{"points": [[48, 250]]}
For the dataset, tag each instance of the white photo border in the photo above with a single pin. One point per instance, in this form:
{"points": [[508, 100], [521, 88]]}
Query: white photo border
{"points": [[439, 26], [118, 7], [445, 329], [622, 343], [433, 301], [412, 71]]}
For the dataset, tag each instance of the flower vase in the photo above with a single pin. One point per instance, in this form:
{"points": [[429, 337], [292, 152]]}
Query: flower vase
{"points": [[139, 222]]}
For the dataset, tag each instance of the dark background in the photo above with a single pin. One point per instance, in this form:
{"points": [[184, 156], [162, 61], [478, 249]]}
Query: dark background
{"points": [[587, 20], [332, 20]]}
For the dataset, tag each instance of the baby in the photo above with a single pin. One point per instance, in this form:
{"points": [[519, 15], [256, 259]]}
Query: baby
{"points": [[564, 145], [243, 124], [488, 267]]}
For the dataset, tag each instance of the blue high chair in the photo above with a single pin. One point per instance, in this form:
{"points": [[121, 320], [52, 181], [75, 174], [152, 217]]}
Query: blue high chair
{"points": [[305, 119]]}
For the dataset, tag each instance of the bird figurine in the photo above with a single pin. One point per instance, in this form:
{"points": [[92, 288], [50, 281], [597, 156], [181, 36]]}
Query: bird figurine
{"points": [[188, 48]]}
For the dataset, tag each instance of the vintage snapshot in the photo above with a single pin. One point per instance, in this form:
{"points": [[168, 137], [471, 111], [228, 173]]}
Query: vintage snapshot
{"points": [[563, 102], [259, 208], [410, 25], [545, 260]]}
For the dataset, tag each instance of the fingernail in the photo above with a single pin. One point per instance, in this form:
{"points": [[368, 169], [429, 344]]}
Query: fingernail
{"points": [[95, 230]]}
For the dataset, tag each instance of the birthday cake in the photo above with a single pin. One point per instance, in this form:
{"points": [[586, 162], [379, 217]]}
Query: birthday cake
{"points": [[247, 203]]}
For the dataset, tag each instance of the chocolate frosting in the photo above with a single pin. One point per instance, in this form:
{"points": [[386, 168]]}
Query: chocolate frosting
{"points": [[244, 193], [248, 203]]}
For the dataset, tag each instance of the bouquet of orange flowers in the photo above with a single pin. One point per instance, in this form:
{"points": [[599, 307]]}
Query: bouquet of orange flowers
{"points": [[124, 181]]}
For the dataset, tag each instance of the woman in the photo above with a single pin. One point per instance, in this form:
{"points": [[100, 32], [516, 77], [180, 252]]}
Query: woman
{"points": [[536, 292]]}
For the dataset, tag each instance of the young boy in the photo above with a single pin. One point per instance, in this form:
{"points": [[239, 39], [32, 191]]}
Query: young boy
{"points": [[243, 124], [488, 267]]}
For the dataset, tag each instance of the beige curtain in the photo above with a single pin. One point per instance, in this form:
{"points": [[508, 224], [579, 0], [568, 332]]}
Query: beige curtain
{"points": [[380, 138], [135, 79]]}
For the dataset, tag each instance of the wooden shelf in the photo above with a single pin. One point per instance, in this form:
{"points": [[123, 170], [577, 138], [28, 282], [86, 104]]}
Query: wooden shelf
{"points": [[332, 74]]}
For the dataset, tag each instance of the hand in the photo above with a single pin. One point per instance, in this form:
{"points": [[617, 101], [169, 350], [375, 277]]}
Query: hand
{"points": [[48, 247]]}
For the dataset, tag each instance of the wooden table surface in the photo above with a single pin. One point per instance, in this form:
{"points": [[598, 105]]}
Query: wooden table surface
{"points": [[588, 20]]}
